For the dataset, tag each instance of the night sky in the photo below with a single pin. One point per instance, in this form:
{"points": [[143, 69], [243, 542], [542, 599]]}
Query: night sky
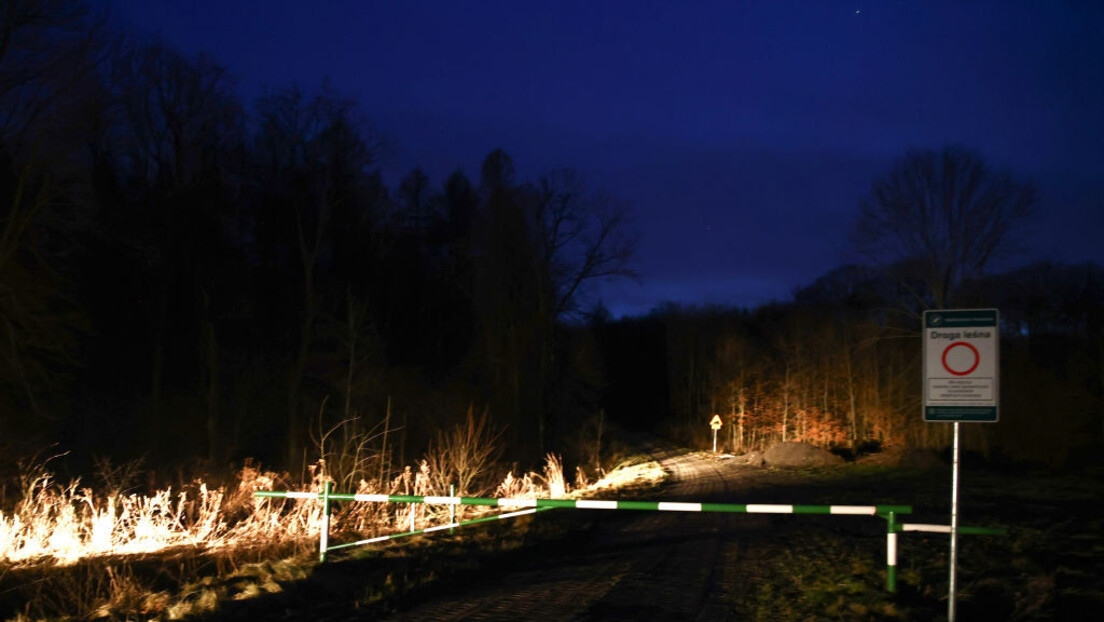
{"points": [[742, 133]]}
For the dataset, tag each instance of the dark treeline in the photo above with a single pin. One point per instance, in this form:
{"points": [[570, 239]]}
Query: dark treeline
{"points": [[186, 275], [840, 366]]}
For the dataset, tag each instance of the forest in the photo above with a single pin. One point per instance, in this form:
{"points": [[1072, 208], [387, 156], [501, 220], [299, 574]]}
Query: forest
{"points": [[191, 278], [840, 366]]}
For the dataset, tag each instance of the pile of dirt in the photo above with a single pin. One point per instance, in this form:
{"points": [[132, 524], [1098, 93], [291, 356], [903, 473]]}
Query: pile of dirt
{"points": [[799, 455]]}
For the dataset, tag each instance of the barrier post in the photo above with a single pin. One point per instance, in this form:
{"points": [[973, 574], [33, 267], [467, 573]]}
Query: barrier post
{"points": [[324, 538], [891, 552], [452, 508]]}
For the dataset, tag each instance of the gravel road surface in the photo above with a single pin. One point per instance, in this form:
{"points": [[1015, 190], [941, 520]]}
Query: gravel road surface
{"points": [[638, 565]]}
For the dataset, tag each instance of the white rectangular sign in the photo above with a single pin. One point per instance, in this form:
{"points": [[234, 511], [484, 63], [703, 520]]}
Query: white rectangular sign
{"points": [[961, 365]]}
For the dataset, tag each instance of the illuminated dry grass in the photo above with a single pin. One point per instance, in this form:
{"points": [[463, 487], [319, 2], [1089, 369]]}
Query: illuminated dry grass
{"points": [[55, 523], [66, 551], [61, 524]]}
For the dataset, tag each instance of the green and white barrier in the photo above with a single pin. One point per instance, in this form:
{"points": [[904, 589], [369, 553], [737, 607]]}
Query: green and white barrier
{"points": [[891, 551], [893, 528], [595, 504], [887, 512], [979, 531]]}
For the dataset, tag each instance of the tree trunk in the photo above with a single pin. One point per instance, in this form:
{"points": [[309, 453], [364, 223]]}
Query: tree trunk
{"points": [[785, 402], [214, 446], [852, 414], [157, 373], [351, 345], [299, 368], [742, 412]]}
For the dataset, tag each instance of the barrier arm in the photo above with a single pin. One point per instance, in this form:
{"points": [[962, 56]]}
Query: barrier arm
{"points": [[889, 512]]}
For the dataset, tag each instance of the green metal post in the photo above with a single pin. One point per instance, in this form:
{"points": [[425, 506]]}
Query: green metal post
{"points": [[891, 552], [324, 537]]}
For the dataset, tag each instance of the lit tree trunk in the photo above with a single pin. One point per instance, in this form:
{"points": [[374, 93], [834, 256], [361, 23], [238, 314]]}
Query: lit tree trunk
{"points": [[852, 415], [742, 413], [803, 411], [732, 419], [598, 443], [785, 402], [824, 404]]}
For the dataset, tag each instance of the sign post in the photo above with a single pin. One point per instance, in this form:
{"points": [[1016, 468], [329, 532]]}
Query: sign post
{"points": [[961, 383], [716, 424]]}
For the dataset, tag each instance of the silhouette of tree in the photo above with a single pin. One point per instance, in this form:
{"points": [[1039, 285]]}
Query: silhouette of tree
{"points": [[49, 100], [313, 158], [182, 141], [537, 246], [944, 215], [582, 236]]}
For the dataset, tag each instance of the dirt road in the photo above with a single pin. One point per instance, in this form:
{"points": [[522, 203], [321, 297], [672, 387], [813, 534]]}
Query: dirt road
{"points": [[636, 565]]}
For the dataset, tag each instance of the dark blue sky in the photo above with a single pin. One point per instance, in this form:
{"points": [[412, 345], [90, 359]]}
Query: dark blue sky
{"points": [[743, 133]]}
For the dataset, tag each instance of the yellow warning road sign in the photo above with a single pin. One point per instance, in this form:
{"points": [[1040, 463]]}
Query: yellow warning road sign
{"points": [[715, 422]]}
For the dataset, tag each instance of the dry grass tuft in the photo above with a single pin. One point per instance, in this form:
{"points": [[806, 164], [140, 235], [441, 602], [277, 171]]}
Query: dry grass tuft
{"points": [[67, 551]]}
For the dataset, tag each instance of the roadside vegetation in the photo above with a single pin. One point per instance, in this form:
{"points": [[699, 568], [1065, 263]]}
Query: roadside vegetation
{"points": [[70, 550], [1048, 567], [227, 555]]}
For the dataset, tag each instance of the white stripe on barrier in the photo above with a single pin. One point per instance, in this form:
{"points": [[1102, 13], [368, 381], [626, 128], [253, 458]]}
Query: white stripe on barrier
{"points": [[766, 508], [440, 527], [584, 504], [925, 527], [853, 509], [373, 498], [671, 506], [519, 503], [368, 541], [302, 495], [518, 513], [891, 549], [443, 500]]}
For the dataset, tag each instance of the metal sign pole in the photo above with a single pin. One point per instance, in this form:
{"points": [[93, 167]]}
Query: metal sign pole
{"points": [[954, 530], [716, 424], [961, 349]]}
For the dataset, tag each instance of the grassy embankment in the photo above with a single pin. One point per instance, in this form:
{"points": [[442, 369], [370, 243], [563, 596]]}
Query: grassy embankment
{"points": [[1050, 566]]}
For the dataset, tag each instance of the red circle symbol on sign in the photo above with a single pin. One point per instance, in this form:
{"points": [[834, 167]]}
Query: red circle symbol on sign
{"points": [[964, 372]]}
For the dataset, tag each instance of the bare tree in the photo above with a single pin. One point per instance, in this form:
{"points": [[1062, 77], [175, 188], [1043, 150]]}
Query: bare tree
{"points": [[583, 236], [538, 246], [942, 216], [182, 119], [49, 83], [312, 157], [182, 131], [48, 52]]}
